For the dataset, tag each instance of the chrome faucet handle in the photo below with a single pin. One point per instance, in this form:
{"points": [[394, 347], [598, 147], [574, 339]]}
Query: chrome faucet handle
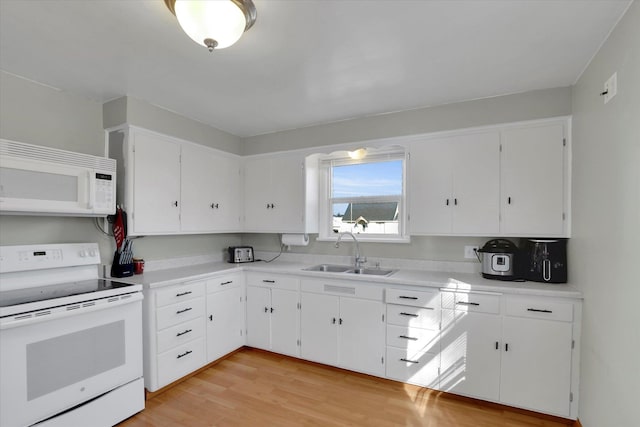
{"points": [[360, 260]]}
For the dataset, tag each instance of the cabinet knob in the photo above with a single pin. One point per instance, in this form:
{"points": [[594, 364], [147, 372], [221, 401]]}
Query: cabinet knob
{"points": [[333, 321], [266, 309], [509, 200], [214, 205], [175, 203]]}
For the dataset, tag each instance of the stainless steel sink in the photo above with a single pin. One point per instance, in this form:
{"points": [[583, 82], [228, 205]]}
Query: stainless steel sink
{"points": [[331, 268], [371, 271]]}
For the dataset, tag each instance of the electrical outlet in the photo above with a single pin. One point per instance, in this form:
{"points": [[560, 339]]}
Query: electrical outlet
{"points": [[470, 252], [611, 87]]}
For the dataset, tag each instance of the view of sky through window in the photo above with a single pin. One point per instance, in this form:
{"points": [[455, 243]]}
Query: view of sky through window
{"points": [[365, 180]]}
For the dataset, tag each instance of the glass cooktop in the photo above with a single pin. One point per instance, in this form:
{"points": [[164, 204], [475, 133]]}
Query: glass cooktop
{"points": [[50, 292]]}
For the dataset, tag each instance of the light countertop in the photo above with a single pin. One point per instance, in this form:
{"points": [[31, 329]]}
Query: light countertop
{"points": [[403, 277]]}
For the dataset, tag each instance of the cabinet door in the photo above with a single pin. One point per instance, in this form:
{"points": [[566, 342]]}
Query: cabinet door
{"points": [[361, 343], [533, 181], [225, 313], [319, 328], [156, 184], [285, 322], [198, 177], [476, 178], [536, 365], [258, 317], [470, 354], [274, 194], [226, 196], [430, 187]]}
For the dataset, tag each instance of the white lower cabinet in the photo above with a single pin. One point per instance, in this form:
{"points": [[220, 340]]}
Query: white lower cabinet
{"points": [[344, 331], [273, 320], [174, 333], [413, 334], [225, 315], [538, 340], [471, 345]]}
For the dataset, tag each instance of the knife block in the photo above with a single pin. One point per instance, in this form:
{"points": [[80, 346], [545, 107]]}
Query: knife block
{"points": [[121, 270]]}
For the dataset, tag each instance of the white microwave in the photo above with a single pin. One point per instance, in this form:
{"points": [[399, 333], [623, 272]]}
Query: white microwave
{"points": [[36, 180]]}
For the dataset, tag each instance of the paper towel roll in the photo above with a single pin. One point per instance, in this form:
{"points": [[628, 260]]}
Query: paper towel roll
{"points": [[295, 239]]}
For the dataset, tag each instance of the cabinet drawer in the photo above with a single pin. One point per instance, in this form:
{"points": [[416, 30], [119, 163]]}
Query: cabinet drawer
{"points": [[179, 361], [180, 334], [420, 368], [273, 281], [415, 317], [413, 298], [412, 339], [222, 283], [180, 312], [471, 302], [540, 308], [179, 293]]}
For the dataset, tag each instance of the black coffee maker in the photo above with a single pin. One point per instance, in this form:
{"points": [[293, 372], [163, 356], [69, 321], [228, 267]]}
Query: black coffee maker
{"points": [[544, 260]]}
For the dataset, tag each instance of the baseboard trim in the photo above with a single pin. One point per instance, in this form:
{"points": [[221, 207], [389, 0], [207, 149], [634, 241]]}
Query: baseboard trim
{"points": [[577, 424]]}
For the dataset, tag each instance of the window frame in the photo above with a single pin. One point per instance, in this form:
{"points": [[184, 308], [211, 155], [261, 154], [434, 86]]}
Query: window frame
{"points": [[325, 217]]}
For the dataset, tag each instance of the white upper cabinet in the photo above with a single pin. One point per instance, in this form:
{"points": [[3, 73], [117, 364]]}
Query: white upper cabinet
{"points": [[211, 183], [173, 186], [533, 180], [453, 185], [155, 200], [276, 199]]}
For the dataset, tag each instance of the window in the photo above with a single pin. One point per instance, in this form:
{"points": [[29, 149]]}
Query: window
{"points": [[365, 197]]}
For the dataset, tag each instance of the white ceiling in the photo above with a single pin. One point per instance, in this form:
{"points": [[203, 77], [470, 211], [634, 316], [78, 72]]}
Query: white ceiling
{"points": [[305, 62]]}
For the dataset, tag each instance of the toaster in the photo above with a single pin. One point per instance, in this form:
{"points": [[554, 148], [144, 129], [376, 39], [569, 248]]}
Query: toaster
{"points": [[238, 254]]}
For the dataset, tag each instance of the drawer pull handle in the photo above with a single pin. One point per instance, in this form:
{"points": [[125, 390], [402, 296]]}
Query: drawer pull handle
{"points": [[226, 283], [467, 303], [537, 310], [408, 338], [405, 297], [409, 361], [181, 294], [408, 314], [497, 345], [266, 309], [186, 353], [179, 334], [184, 311], [333, 321], [269, 281]]}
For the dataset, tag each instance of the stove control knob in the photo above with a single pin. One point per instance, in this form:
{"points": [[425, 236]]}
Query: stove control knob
{"points": [[83, 253], [92, 253]]}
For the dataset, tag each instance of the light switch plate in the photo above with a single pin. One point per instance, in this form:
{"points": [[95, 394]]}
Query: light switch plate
{"points": [[611, 87]]}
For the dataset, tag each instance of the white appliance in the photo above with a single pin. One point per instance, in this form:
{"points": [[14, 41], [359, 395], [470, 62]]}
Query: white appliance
{"points": [[47, 181], [70, 342]]}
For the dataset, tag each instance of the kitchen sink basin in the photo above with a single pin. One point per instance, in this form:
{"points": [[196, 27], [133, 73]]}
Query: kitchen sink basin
{"points": [[330, 268]]}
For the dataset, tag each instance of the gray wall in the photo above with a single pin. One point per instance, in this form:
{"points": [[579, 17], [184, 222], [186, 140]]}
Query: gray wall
{"points": [[38, 114], [606, 229], [139, 113], [502, 109]]}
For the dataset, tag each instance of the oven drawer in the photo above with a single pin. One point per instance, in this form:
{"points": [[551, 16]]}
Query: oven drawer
{"points": [[179, 361], [180, 312], [402, 315], [179, 293], [420, 368], [179, 334]]}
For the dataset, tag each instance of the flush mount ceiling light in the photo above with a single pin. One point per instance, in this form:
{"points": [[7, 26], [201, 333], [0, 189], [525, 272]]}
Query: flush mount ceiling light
{"points": [[358, 154], [215, 24]]}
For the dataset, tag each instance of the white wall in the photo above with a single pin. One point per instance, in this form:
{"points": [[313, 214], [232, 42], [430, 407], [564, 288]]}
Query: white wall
{"points": [[603, 252], [37, 114]]}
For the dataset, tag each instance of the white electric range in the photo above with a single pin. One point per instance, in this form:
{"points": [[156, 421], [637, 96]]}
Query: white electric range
{"points": [[70, 342]]}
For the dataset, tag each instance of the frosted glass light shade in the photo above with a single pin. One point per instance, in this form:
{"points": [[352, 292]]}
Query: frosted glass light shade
{"points": [[220, 20]]}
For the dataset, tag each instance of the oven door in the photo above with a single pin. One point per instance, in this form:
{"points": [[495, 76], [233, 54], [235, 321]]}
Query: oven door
{"points": [[50, 365]]}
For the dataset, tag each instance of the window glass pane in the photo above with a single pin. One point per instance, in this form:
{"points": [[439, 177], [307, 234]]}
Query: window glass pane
{"points": [[367, 179], [366, 218]]}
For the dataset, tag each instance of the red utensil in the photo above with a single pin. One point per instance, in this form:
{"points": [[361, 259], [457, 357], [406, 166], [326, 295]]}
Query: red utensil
{"points": [[118, 229]]}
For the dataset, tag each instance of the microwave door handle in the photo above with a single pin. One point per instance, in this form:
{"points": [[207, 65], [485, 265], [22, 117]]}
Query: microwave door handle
{"points": [[92, 190]]}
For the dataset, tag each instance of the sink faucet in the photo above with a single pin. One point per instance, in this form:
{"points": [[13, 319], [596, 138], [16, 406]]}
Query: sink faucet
{"points": [[359, 259]]}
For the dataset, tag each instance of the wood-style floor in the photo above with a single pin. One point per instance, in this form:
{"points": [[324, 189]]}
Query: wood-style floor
{"points": [[257, 388]]}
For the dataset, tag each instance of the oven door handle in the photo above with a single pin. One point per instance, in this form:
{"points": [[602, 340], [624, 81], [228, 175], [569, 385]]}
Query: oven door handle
{"points": [[48, 314]]}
